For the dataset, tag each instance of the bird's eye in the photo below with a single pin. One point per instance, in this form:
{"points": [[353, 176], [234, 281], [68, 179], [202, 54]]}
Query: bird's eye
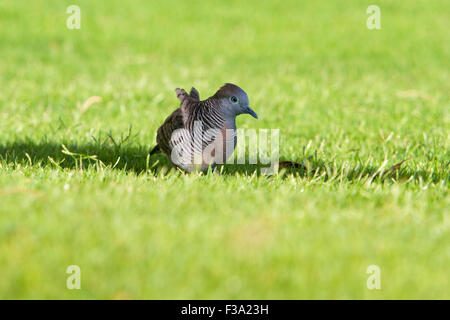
{"points": [[234, 99]]}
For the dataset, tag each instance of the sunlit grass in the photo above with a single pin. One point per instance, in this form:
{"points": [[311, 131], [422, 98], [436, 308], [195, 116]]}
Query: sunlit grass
{"points": [[363, 113]]}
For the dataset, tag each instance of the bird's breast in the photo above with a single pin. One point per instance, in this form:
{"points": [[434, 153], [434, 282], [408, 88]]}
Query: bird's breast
{"points": [[228, 142]]}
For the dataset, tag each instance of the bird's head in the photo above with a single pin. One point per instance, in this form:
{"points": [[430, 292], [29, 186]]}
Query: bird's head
{"points": [[234, 101]]}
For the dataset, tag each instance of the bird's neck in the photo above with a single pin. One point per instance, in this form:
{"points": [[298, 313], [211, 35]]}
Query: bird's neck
{"points": [[230, 122], [228, 115]]}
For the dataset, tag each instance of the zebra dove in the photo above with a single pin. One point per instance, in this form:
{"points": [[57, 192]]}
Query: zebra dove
{"points": [[202, 133]]}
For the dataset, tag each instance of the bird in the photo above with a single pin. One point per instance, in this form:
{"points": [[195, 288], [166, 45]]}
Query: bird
{"points": [[202, 133]]}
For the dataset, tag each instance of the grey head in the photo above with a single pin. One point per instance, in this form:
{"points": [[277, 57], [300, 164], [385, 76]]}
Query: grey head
{"points": [[233, 100]]}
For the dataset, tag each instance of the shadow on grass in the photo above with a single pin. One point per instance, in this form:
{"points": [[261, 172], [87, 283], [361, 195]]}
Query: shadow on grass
{"points": [[75, 156], [135, 158]]}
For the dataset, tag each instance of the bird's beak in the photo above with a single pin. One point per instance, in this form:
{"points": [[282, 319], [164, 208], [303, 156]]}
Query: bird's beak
{"points": [[249, 110]]}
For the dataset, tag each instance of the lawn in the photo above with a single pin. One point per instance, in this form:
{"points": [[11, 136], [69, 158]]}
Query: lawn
{"points": [[77, 186]]}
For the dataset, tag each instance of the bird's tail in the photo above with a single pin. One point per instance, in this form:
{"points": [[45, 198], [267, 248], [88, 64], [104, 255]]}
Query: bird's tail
{"points": [[156, 149], [181, 94], [194, 94]]}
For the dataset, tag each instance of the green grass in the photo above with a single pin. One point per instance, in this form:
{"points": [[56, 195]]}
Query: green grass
{"points": [[78, 187]]}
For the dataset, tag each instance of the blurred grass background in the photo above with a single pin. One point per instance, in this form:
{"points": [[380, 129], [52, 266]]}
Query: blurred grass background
{"points": [[349, 102]]}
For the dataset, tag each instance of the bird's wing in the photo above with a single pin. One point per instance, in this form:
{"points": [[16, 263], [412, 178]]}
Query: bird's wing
{"points": [[173, 122]]}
